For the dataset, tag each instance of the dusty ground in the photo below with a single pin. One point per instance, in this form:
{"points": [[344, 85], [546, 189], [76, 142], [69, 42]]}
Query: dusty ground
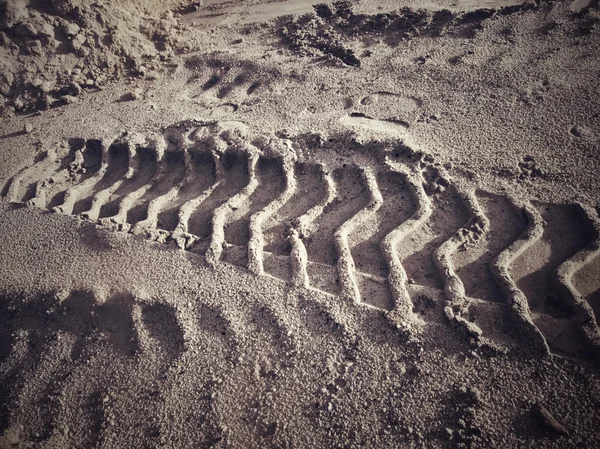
{"points": [[273, 224]]}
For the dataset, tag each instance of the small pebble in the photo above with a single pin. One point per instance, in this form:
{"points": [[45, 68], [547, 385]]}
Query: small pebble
{"points": [[28, 128], [68, 99], [46, 86], [72, 29], [130, 96]]}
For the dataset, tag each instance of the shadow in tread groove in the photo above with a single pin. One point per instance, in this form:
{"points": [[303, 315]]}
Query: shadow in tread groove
{"points": [[203, 176], [564, 235], [309, 192], [472, 265], [271, 183], [174, 171], [398, 205], [227, 81], [352, 196], [225, 90], [212, 82], [145, 165], [447, 217], [118, 164], [236, 177]]}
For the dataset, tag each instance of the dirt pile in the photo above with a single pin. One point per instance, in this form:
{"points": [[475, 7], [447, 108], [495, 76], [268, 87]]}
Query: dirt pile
{"points": [[325, 31], [50, 51]]}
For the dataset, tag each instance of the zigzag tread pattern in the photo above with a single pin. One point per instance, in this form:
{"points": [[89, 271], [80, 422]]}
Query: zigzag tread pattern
{"points": [[360, 232]]}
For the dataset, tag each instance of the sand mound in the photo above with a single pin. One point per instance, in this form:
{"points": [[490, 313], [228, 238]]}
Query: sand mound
{"points": [[53, 50]]}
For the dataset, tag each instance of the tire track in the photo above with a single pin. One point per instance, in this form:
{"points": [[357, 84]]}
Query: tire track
{"points": [[446, 219], [141, 216], [49, 180], [232, 175], [26, 178], [517, 301], [346, 266], [472, 266], [201, 176], [325, 246], [113, 213], [55, 191], [243, 234], [232, 204], [454, 289], [256, 241], [582, 310], [309, 186], [304, 229], [586, 279], [545, 273], [86, 184], [117, 172], [383, 233], [167, 190], [402, 312]]}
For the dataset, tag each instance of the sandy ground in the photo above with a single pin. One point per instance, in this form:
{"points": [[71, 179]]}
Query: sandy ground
{"points": [[273, 224]]}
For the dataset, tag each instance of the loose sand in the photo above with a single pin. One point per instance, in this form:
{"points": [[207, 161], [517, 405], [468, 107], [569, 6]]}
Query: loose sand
{"points": [[273, 224]]}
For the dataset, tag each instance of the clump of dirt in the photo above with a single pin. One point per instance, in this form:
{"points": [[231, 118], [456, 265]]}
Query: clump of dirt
{"points": [[324, 31], [309, 35], [51, 51]]}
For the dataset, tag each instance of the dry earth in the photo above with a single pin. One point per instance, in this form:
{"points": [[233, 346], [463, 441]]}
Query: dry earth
{"points": [[286, 225]]}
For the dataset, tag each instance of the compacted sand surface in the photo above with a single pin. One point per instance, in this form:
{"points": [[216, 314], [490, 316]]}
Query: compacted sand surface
{"points": [[288, 225]]}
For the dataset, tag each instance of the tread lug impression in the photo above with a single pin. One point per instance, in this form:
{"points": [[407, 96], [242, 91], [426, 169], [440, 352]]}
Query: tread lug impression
{"points": [[379, 233]]}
